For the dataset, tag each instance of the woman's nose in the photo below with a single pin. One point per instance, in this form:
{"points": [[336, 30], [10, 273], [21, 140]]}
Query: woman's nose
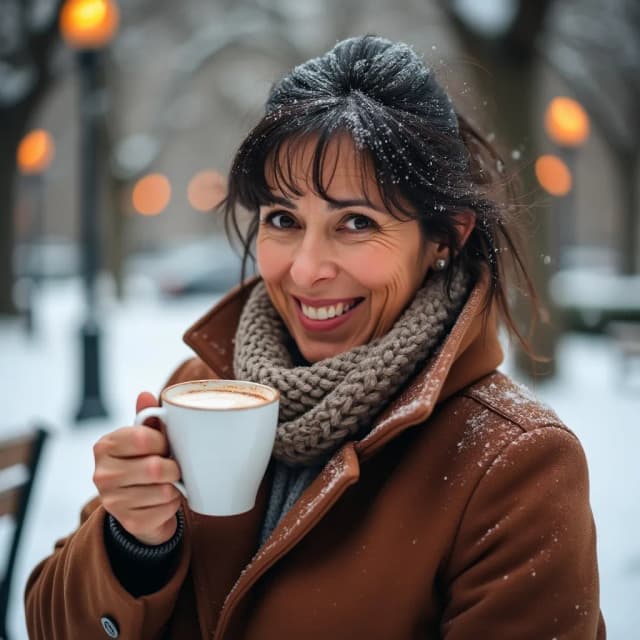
{"points": [[312, 263]]}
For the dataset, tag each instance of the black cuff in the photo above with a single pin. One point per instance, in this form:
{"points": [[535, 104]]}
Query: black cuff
{"points": [[143, 552], [141, 569]]}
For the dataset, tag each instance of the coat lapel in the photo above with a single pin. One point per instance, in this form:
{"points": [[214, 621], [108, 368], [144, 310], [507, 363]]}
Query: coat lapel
{"points": [[339, 473]]}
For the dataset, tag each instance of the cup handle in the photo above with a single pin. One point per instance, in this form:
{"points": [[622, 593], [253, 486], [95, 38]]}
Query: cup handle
{"points": [[158, 412], [149, 412]]}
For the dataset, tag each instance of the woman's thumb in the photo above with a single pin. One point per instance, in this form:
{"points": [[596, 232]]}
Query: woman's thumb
{"points": [[145, 399]]}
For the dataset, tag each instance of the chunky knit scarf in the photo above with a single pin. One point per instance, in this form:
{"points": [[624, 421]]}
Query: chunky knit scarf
{"points": [[326, 402]]}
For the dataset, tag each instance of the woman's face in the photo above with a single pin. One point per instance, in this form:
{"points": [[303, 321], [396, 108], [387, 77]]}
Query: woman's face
{"points": [[339, 275]]}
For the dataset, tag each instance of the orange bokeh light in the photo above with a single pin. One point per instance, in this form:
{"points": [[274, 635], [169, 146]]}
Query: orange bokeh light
{"points": [[566, 122], [206, 190], [89, 24], [553, 175], [151, 194], [35, 152]]}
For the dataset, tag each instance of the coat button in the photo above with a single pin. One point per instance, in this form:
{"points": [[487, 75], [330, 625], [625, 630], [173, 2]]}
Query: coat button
{"points": [[110, 626]]}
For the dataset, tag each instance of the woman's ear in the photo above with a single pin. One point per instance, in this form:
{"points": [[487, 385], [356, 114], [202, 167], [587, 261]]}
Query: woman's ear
{"points": [[464, 222]]}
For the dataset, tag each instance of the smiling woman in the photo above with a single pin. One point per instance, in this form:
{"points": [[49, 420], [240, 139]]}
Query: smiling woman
{"points": [[414, 491]]}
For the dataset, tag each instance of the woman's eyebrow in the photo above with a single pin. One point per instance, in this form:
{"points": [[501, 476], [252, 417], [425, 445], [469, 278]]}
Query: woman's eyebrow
{"points": [[355, 202], [274, 199], [333, 204]]}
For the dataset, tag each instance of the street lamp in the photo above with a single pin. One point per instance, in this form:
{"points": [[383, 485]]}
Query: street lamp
{"points": [[553, 175], [34, 156], [206, 190], [87, 26], [151, 194], [567, 124]]}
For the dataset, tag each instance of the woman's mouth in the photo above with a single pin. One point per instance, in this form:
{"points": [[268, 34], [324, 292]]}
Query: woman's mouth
{"points": [[325, 316]]}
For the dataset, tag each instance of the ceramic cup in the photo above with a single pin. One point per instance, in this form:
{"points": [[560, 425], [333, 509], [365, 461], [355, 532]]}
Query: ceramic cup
{"points": [[221, 433]]}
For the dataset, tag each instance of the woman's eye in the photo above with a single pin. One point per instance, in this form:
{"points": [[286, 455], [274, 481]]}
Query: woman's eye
{"points": [[280, 220], [359, 223]]}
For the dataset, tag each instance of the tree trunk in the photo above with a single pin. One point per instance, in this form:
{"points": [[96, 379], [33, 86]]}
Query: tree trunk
{"points": [[512, 86], [13, 123], [627, 165], [514, 89], [11, 131], [506, 72]]}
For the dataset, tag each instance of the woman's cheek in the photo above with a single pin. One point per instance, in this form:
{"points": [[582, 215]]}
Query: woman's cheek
{"points": [[377, 268], [272, 259]]}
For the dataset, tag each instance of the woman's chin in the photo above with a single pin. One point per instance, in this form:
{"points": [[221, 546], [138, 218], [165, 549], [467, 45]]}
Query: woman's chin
{"points": [[314, 351]]}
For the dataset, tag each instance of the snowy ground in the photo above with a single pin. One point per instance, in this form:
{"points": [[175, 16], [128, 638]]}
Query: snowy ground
{"points": [[141, 345]]}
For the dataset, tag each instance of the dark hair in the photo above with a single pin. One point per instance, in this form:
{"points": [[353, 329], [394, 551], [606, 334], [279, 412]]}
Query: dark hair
{"points": [[427, 160]]}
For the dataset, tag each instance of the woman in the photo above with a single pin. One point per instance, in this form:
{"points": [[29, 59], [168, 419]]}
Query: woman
{"points": [[414, 492]]}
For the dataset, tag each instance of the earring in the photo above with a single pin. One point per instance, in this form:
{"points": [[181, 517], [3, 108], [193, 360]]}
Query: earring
{"points": [[440, 264]]}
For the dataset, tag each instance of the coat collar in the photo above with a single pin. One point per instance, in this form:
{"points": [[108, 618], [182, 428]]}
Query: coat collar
{"points": [[470, 351]]}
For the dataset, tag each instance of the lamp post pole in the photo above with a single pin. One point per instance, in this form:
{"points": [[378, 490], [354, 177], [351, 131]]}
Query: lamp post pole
{"points": [[88, 26], [91, 404], [567, 229], [35, 189]]}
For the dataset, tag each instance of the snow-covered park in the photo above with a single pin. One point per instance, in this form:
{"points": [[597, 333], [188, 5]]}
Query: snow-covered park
{"points": [[141, 343]]}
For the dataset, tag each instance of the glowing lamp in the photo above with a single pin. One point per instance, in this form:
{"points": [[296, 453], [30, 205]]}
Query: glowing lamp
{"points": [[206, 190], [553, 175], [35, 152], [89, 24], [566, 122], [151, 194]]}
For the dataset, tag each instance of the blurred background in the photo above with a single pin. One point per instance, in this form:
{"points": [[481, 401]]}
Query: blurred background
{"points": [[118, 122]]}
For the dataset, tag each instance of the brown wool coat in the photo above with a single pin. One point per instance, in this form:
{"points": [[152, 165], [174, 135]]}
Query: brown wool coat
{"points": [[463, 514]]}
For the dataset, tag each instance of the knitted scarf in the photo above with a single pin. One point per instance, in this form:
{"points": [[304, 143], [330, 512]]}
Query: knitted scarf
{"points": [[326, 402]]}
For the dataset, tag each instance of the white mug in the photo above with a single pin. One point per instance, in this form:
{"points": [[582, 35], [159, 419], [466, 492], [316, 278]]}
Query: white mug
{"points": [[221, 433]]}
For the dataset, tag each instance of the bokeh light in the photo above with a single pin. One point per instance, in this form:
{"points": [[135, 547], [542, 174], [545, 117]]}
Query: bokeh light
{"points": [[89, 24], [566, 122], [35, 152], [553, 175], [151, 194], [206, 190]]}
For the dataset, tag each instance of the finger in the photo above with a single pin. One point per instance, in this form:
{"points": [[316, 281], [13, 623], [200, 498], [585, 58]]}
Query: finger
{"points": [[139, 497], [145, 400], [131, 442], [115, 473]]}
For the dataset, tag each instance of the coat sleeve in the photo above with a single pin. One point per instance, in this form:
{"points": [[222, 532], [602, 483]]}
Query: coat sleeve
{"points": [[69, 593], [523, 563]]}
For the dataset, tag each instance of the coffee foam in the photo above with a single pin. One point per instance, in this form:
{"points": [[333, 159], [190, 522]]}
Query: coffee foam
{"points": [[218, 399]]}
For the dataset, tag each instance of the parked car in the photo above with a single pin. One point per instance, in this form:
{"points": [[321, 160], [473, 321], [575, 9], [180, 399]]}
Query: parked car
{"points": [[192, 267]]}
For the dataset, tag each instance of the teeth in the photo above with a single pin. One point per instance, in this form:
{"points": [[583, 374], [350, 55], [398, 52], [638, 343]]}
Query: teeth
{"points": [[325, 313]]}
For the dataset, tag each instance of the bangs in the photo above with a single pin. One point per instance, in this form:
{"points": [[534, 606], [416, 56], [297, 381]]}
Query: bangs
{"points": [[308, 163], [287, 155]]}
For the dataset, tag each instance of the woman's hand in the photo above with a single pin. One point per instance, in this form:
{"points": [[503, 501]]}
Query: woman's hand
{"points": [[134, 476]]}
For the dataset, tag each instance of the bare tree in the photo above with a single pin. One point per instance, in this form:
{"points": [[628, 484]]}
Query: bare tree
{"points": [[501, 38], [596, 51], [28, 35]]}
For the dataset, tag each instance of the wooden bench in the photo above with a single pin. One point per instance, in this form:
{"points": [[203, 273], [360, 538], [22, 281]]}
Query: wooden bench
{"points": [[19, 461]]}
